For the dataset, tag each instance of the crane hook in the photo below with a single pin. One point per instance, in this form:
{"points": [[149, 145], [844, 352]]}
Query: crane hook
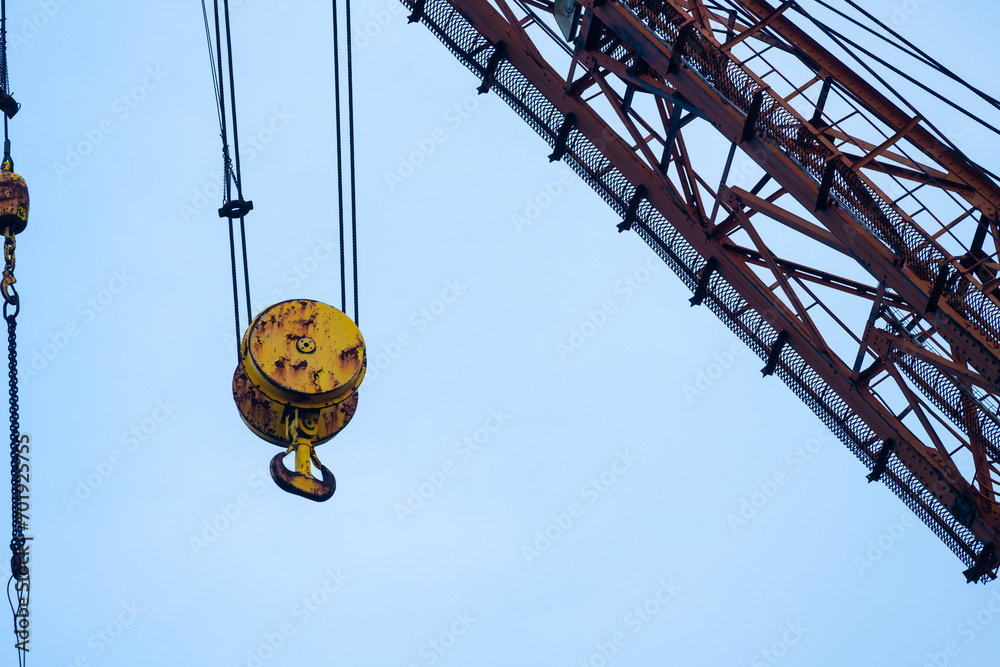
{"points": [[301, 427], [301, 482]]}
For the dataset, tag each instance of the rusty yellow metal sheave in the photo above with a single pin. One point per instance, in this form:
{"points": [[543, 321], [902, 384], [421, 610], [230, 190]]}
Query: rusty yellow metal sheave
{"points": [[297, 384], [13, 199]]}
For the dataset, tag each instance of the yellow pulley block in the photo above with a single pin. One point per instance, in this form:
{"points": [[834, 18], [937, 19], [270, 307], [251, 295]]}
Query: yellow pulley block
{"points": [[296, 386], [13, 199]]}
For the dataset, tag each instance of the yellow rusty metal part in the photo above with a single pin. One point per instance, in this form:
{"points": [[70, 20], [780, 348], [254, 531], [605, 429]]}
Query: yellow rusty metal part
{"points": [[302, 427], [302, 482], [13, 200], [297, 384], [303, 359], [268, 417], [304, 353]]}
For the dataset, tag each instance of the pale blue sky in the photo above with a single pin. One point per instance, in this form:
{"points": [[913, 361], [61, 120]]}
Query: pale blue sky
{"points": [[591, 513]]}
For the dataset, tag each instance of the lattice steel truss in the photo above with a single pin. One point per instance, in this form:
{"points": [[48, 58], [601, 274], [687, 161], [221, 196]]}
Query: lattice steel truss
{"points": [[862, 267]]}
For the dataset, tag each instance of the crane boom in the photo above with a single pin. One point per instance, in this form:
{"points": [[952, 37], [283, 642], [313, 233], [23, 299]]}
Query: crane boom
{"points": [[886, 321]]}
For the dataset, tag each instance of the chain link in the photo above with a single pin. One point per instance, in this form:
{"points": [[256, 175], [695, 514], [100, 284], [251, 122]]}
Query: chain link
{"points": [[10, 297]]}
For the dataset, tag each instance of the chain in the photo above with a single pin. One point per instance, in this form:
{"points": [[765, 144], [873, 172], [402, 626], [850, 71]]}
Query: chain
{"points": [[17, 542], [18, 464], [7, 284]]}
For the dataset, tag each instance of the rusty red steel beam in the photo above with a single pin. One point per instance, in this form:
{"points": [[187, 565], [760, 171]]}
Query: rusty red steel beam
{"points": [[987, 196], [922, 461], [926, 465], [966, 414], [736, 196], [911, 175], [981, 350], [806, 273], [885, 341]]}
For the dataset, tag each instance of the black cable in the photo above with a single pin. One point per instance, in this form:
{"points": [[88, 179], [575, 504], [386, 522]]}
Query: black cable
{"points": [[236, 295], [221, 89], [340, 161], [4, 75], [920, 54], [227, 169], [916, 53], [232, 97], [831, 33], [211, 62], [236, 153], [10, 603], [3, 45], [350, 139], [941, 136], [944, 139], [246, 271], [231, 176], [24, 591]]}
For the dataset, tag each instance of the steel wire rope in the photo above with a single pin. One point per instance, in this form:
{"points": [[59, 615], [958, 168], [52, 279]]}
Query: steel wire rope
{"points": [[4, 75], [231, 176], [349, 73], [220, 100], [350, 144], [922, 57], [236, 153], [21, 658], [916, 52], [340, 159], [740, 10], [830, 33], [211, 61], [911, 49]]}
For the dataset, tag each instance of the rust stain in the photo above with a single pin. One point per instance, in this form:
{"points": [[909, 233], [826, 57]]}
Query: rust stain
{"points": [[280, 327], [351, 351], [338, 416], [260, 412]]}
